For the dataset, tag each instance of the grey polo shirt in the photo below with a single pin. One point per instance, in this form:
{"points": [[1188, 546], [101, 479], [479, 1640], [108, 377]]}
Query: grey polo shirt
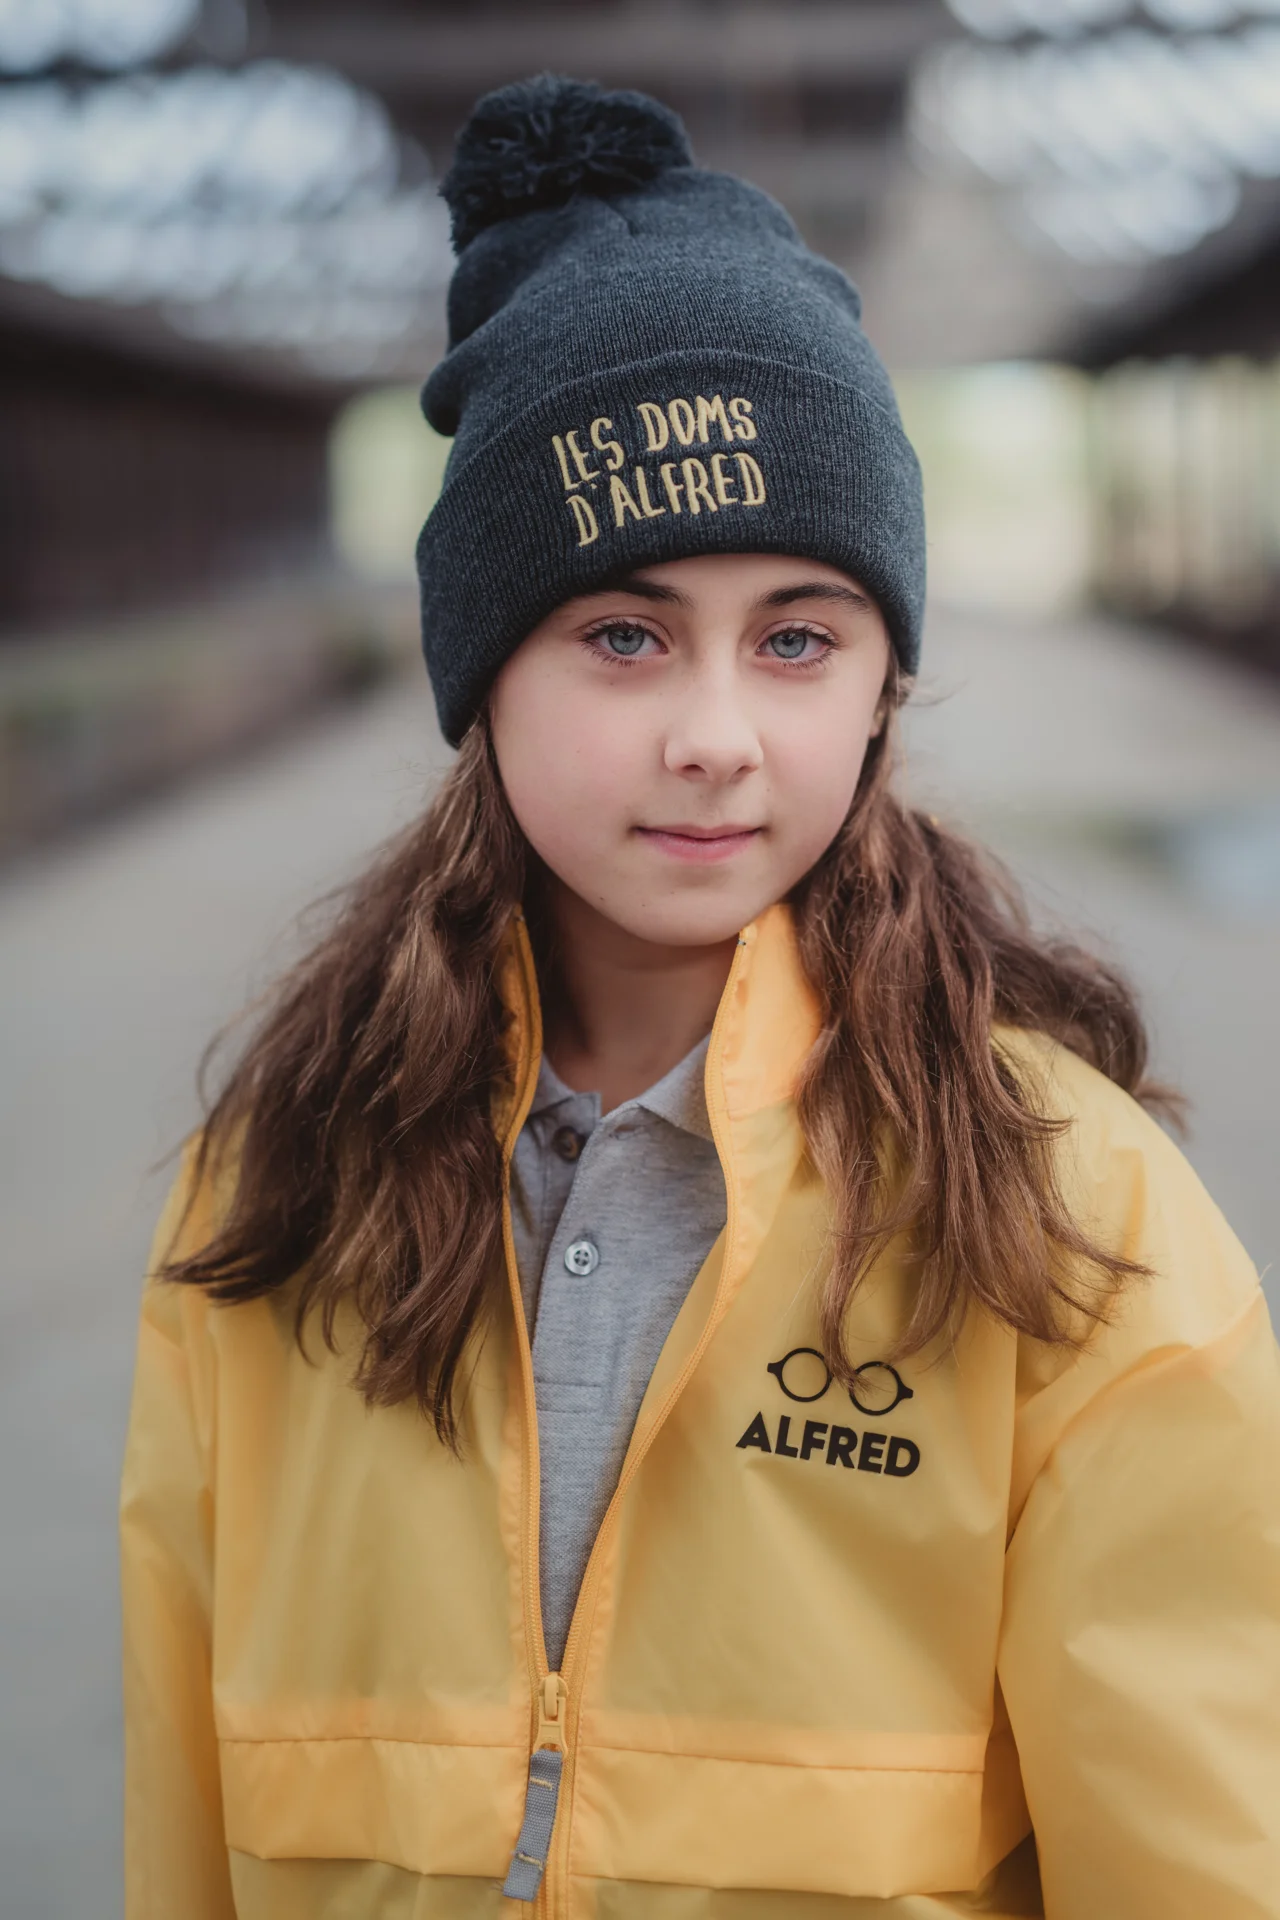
{"points": [[612, 1219]]}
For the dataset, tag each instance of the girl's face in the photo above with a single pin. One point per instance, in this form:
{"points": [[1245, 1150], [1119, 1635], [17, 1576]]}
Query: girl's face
{"points": [[682, 748]]}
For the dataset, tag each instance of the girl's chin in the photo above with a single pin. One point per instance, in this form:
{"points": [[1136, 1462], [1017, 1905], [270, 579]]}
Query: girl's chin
{"points": [[683, 923]]}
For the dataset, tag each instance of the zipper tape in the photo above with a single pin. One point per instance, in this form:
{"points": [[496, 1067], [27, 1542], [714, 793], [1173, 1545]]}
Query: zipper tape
{"points": [[528, 1862]]}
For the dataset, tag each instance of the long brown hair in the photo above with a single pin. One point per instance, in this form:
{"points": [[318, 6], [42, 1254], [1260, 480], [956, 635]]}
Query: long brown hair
{"points": [[358, 1123]]}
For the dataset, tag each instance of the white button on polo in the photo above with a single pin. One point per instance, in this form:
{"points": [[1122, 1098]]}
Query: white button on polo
{"points": [[582, 1256]]}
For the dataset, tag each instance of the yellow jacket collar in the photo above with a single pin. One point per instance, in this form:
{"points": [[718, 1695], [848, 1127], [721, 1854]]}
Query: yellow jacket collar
{"points": [[766, 1025]]}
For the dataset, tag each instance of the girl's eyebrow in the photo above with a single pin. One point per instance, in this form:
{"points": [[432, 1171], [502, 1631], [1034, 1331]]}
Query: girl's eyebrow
{"points": [[813, 590], [655, 590], [643, 590]]}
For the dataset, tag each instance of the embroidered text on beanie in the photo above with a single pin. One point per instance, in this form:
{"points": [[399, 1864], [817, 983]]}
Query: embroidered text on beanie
{"points": [[645, 362]]}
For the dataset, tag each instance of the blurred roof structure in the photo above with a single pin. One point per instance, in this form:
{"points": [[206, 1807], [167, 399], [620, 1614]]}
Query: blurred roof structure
{"points": [[252, 182]]}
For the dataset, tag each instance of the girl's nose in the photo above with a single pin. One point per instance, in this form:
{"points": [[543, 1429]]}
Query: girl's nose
{"points": [[711, 735]]}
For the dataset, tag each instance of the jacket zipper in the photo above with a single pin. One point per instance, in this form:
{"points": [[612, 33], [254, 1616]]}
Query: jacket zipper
{"points": [[527, 1870], [556, 1707], [542, 1795]]}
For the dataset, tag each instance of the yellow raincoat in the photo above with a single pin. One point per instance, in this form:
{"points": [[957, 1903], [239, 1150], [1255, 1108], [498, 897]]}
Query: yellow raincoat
{"points": [[830, 1660]]}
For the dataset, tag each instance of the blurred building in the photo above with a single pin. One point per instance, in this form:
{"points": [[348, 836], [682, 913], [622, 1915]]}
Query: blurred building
{"points": [[128, 481]]}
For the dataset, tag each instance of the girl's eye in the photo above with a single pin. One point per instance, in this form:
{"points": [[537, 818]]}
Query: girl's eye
{"points": [[621, 639], [798, 644]]}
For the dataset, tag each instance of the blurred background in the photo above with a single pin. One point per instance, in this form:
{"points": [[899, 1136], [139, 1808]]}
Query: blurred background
{"points": [[222, 268]]}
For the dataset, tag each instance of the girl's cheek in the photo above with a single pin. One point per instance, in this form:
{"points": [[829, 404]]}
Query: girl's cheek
{"points": [[552, 737], [607, 740], [571, 777], [815, 766]]}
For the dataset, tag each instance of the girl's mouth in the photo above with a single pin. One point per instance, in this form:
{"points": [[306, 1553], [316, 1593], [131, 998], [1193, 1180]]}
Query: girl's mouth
{"points": [[700, 844]]}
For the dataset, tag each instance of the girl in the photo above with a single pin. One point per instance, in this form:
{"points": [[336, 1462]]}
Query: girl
{"points": [[679, 1379]]}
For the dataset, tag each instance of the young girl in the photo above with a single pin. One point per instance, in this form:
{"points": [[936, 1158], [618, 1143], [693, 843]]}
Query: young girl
{"points": [[679, 1380]]}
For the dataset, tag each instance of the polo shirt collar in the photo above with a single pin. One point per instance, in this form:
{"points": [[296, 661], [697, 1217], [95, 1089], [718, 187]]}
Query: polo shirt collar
{"points": [[679, 1097]]}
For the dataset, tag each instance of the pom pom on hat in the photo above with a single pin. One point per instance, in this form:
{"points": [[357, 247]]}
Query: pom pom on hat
{"points": [[540, 142]]}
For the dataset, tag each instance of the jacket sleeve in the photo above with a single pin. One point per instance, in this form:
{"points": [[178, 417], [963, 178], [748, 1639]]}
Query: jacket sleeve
{"points": [[175, 1853], [1140, 1657]]}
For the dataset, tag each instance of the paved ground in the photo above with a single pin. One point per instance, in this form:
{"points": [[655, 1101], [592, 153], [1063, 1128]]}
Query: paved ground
{"points": [[1137, 789]]}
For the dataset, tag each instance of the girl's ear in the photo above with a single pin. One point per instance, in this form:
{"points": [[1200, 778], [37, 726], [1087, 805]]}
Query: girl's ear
{"points": [[889, 700], [893, 694]]}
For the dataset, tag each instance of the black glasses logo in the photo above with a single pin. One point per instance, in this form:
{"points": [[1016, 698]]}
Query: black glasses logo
{"points": [[803, 1375]]}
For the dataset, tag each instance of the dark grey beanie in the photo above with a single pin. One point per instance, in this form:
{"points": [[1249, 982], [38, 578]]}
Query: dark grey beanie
{"points": [[645, 362]]}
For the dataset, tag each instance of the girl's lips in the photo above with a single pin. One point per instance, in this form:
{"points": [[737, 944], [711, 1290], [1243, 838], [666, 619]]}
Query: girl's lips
{"points": [[696, 845]]}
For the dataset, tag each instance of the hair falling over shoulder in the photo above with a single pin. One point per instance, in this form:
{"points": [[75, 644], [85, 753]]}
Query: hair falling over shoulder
{"points": [[357, 1124]]}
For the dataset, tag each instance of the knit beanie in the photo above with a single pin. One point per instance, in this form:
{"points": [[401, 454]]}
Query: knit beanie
{"points": [[645, 362]]}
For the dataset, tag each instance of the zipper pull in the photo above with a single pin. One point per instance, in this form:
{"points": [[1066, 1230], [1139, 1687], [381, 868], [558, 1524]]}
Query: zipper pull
{"points": [[542, 1795], [552, 1695]]}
